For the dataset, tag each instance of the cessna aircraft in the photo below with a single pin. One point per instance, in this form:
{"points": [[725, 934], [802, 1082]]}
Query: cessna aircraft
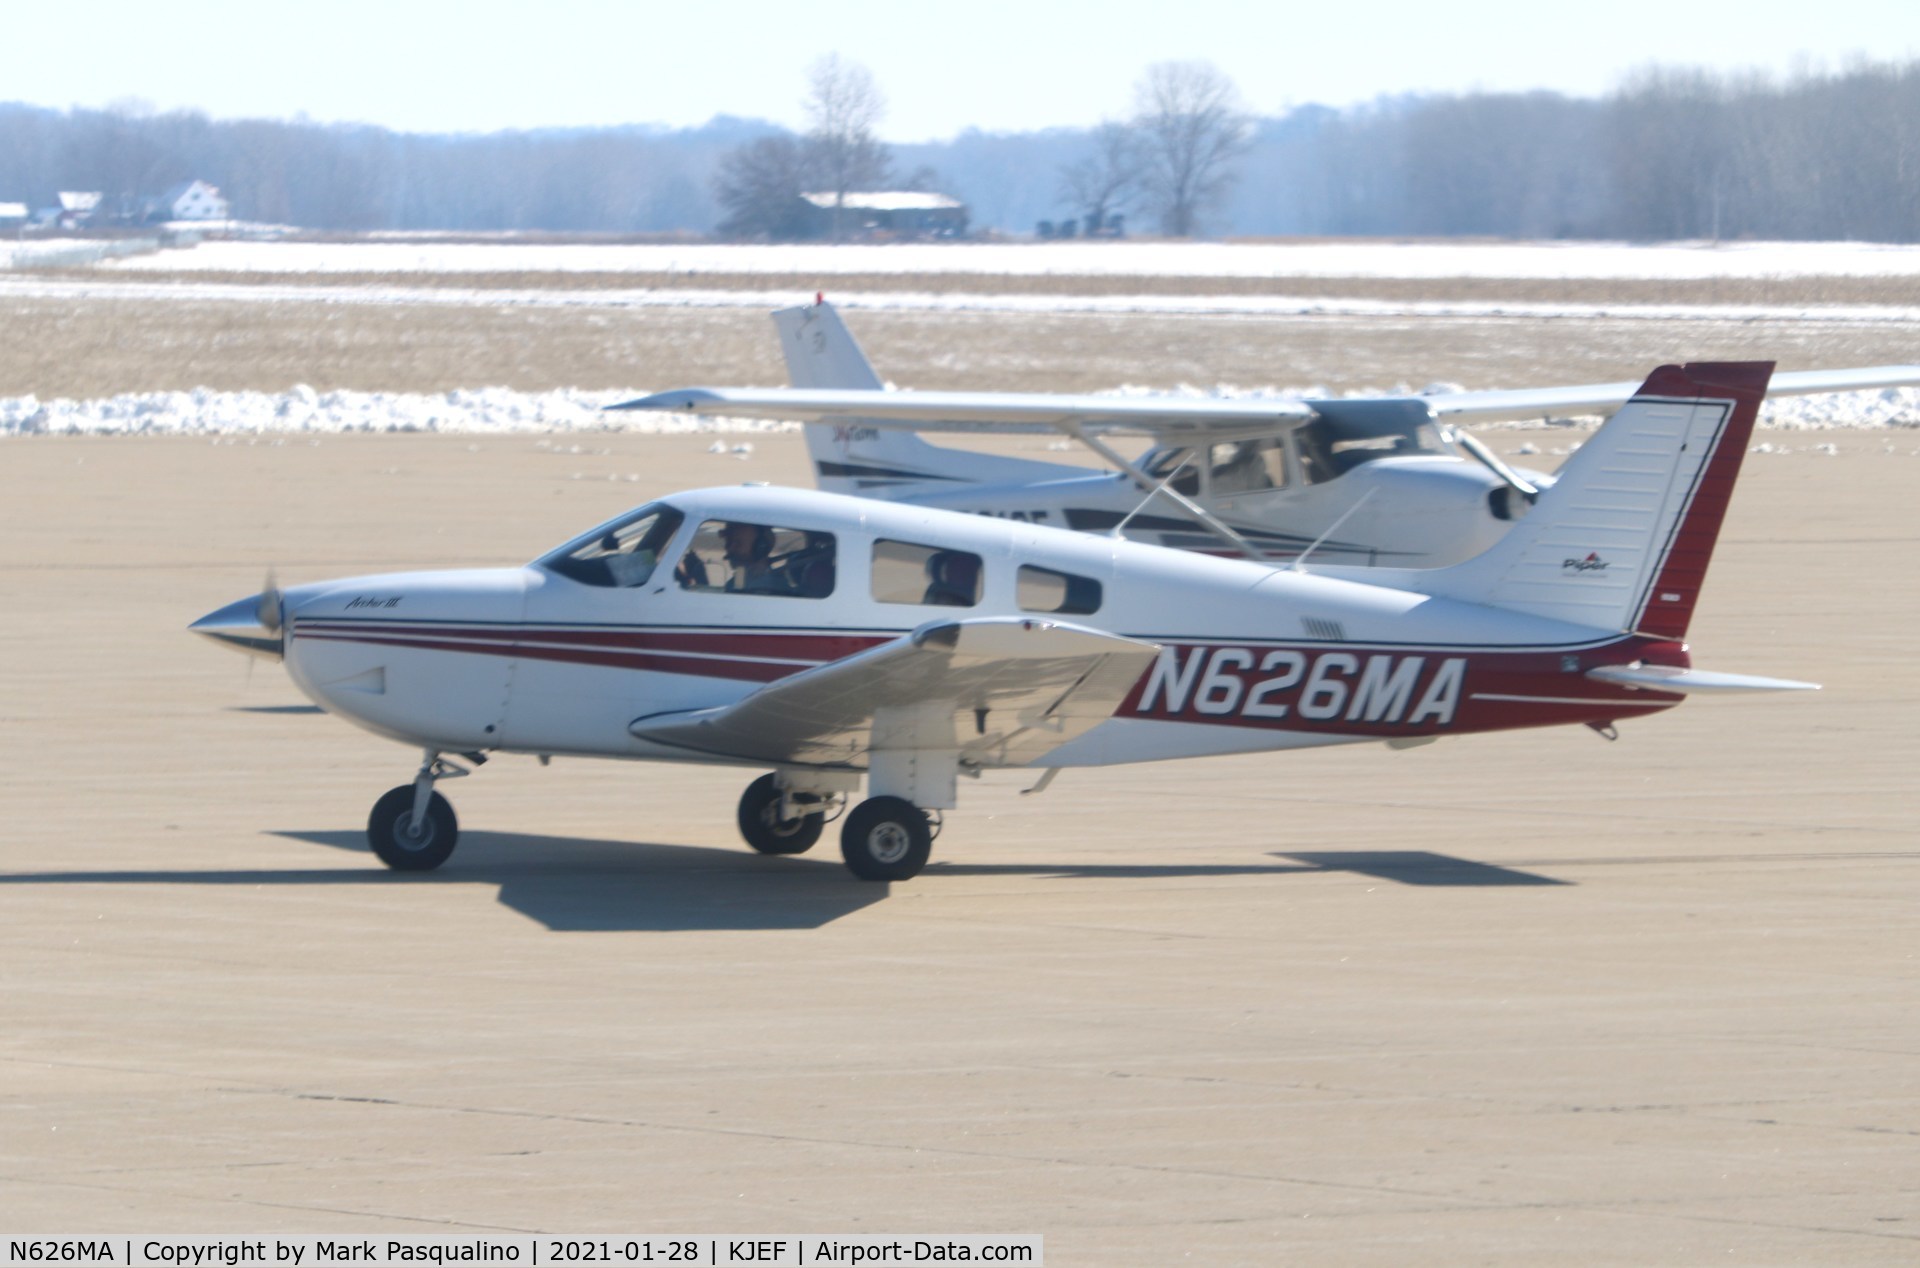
{"points": [[825, 639], [1381, 480]]}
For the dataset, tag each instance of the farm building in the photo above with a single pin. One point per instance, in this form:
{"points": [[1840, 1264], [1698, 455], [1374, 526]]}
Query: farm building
{"points": [[189, 200], [890, 214]]}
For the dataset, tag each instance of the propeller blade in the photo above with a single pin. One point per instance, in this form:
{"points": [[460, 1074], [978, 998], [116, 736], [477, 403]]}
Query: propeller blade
{"points": [[268, 610]]}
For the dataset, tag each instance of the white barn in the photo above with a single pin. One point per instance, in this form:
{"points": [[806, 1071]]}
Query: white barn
{"points": [[191, 200]]}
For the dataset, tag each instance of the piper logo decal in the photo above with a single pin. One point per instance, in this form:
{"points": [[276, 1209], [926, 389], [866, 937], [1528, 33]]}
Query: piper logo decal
{"points": [[1592, 563]]}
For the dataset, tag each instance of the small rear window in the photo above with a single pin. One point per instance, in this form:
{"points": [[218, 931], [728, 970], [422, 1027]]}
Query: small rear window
{"points": [[1044, 590]]}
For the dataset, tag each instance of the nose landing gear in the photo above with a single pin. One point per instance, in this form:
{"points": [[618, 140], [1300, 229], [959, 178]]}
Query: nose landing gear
{"points": [[412, 827]]}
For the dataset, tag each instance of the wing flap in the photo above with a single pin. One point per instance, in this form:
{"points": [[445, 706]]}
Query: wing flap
{"points": [[999, 691]]}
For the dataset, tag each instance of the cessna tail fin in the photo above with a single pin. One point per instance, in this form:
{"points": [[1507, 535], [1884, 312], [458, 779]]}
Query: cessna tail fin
{"points": [[1623, 538], [852, 456], [821, 351]]}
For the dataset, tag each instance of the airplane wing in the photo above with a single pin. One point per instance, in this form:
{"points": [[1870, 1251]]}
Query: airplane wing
{"points": [[1002, 691], [1604, 398], [982, 411], [1183, 417]]}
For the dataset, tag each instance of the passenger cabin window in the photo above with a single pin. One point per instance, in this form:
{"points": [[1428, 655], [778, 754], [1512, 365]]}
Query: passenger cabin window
{"points": [[906, 573], [623, 554], [1044, 590], [741, 557]]}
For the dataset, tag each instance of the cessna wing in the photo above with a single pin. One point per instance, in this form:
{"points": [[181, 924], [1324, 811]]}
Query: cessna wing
{"points": [[1604, 398], [998, 691], [983, 411], [1183, 417]]}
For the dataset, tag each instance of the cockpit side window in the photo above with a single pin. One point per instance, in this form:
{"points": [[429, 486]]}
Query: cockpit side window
{"points": [[742, 557], [1247, 466], [624, 554]]}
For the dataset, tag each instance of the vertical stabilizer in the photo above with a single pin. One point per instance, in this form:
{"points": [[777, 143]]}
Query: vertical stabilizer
{"points": [[850, 456], [821, 351], [1623, 538]]}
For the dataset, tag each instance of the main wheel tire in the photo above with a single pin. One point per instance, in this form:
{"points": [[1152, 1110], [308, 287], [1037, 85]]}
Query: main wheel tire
{"points": [[407, 851], [765, 831], [886, 839]]}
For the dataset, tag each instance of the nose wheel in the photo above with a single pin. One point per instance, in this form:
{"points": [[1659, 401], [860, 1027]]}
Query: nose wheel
{"points": [[775, 821], [412, 827]]}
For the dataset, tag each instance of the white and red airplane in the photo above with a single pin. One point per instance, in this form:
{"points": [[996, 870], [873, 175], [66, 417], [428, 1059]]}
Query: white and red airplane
{"points": [[1357, 480], [829, 640]]}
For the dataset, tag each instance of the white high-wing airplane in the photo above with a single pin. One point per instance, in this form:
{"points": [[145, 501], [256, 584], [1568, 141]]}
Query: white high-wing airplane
{"points": [[826, 639], [1379, 480]]}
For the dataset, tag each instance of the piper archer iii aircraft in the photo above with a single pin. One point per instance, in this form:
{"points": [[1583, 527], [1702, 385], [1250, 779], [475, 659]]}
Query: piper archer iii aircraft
{"points": [[1362, 480], [830, 640]]}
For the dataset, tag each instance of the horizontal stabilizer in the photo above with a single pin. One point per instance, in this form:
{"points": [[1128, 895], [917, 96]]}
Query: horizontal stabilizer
{"points": [[1691, 681]]}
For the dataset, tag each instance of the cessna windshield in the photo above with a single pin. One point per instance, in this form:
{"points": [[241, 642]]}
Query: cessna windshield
{"points": [[1316, 452]]}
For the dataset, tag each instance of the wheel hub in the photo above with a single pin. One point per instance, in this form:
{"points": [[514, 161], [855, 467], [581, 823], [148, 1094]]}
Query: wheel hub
{"points": [[889, 842]]}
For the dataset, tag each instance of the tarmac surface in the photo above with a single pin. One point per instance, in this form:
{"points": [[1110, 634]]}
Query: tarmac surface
{"points": [[1517, 999]]}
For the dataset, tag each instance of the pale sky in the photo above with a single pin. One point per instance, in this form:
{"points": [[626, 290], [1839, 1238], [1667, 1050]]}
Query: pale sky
{"points": [[485, 65]]}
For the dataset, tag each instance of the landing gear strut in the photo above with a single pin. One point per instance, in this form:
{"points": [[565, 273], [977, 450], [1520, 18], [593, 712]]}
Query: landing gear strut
{"points": [[413, 828]]}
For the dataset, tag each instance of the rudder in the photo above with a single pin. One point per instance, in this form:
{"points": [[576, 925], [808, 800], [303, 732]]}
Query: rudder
{"points": [[1623, 538]]}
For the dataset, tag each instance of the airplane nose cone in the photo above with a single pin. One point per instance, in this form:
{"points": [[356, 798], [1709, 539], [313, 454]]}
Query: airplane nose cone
{"points": [[250, 625]]}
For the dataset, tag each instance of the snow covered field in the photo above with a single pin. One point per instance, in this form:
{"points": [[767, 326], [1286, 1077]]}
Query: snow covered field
{"points": [[942, 301], [498, 411], [1540, 260]]}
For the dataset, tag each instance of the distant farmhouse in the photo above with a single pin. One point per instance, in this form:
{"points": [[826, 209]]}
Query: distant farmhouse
{"points": [[12, 217], [888, 215], [76, 210], [189, 200]]}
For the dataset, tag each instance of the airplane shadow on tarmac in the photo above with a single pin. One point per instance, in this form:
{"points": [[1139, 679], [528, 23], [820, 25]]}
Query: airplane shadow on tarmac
{"points": [[575, 884]]}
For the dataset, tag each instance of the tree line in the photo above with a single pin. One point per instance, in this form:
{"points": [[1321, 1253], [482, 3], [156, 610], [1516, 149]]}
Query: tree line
{"points": [[1671, 153]]}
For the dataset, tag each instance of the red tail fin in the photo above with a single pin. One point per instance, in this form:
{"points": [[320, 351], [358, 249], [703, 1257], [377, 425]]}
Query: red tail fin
{"points": [[1667, 606]]}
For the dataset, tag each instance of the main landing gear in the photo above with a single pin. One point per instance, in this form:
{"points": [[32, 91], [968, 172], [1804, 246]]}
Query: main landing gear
{"points": [[413, 828], [883, 839]]}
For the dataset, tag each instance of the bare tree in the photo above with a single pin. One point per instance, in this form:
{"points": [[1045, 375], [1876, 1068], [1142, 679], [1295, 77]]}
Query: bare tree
{"points": [[1105, 182], [759, 184], [843, 108], [1192, 127]]}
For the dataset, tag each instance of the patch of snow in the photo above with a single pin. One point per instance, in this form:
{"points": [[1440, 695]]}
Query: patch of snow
{"points": [[304, 411], [1538, 260], [1277, 306]]}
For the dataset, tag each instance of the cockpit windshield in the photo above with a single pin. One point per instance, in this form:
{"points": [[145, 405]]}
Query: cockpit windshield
{"points": [[1327, 450], [622, 552], [1165, 461]]}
